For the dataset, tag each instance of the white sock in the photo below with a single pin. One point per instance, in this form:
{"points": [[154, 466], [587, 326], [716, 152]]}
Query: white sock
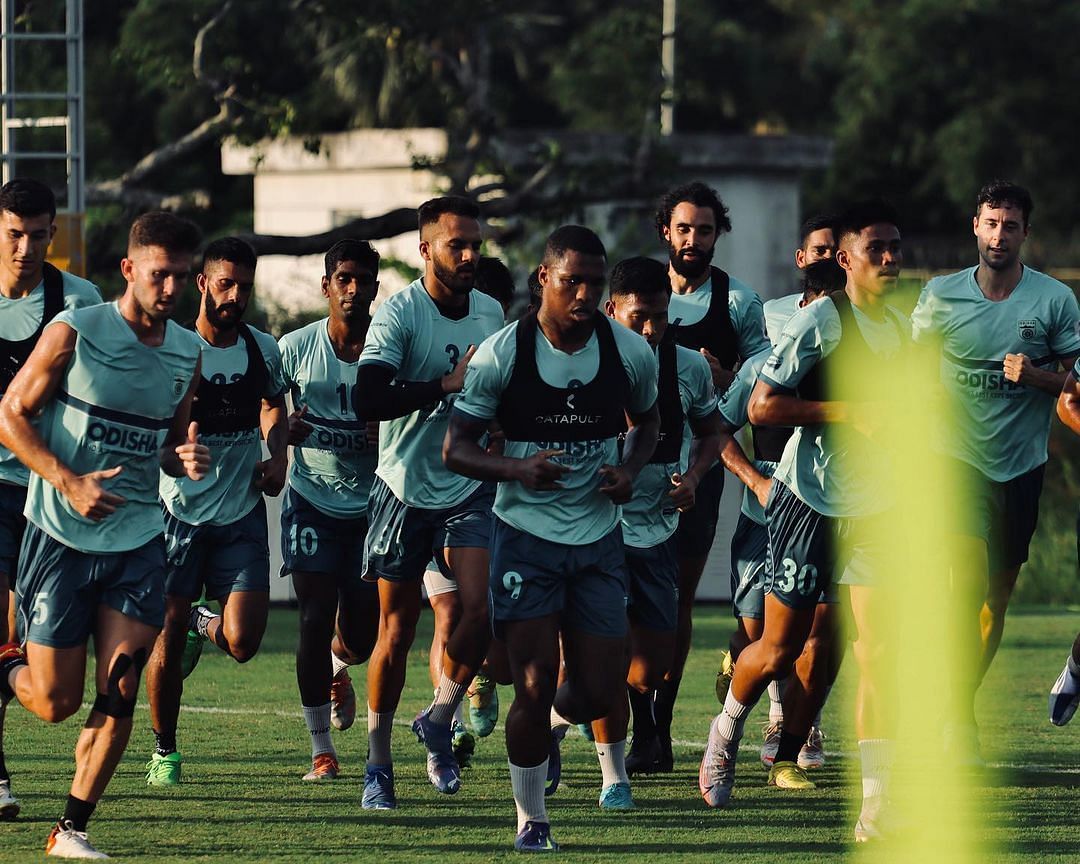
{"points": [[337, 664], [776, 701], [612, 762], [817, 717], [447, 699], [528, 785], [317, 719], [875, 755], [730, 721], [558, 722], [379, 728]]}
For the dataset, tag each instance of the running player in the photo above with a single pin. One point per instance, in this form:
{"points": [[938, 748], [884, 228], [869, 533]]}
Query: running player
{"points": [[808, 509], [1065, 694], [215, 529], [411, 369], [639, 290], [562, 384], [32, 293], [718, 315], [113, 384], [1003, 329], [324, 517]]}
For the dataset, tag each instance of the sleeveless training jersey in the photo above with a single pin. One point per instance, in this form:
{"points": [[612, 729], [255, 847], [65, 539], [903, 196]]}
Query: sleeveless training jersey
{"points": [[410, 335], [744, 309], [578, 513], [649, 518], [227, 492], [835, 474], [113, 406], [20, 320], [1000, 427], [334, 466]]}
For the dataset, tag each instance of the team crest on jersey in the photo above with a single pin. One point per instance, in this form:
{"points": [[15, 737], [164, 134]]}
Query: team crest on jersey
{"points": [[1028, 329], [178, 386]]}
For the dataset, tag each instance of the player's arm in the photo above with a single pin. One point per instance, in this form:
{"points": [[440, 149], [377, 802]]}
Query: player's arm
{"points": [[643, 431], [31, 390], [463, 455], [1020, 369], [703, 448], [735, 461], [274, 423], [378, 397], [182, 455], [1068, 403]]}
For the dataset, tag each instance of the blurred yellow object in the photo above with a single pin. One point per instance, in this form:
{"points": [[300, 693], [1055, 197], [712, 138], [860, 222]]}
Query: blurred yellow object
{"points": [[68, 248]]}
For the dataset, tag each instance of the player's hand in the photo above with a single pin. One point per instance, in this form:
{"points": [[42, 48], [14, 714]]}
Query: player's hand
{"points": [[616, 483], [372, 433], [867, 418], [194, 457], [496, 440], [90, 498], [539, 473], [721, 377], [270, 475], [455, 379], [684, 493], [299, 429], [1018, 368], [762, 490]]}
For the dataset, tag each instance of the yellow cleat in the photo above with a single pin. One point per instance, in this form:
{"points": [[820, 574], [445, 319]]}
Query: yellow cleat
{"points": [[724, 676], [788, 775]]}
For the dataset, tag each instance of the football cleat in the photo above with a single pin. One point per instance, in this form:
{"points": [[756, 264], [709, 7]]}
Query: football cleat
{"points": [[483, 705], [163, 770], [554, 769], [189, 658], [812, 754], [535, 837], [442, 767], [342, 701], [1064, 697], [716, 776], [9, 804], [11, 655], [616, 797], [463, 743], [66, 842], [770, 732], [724, 675], [323, 767], [379, 788], [788, 775], [643, 757]]}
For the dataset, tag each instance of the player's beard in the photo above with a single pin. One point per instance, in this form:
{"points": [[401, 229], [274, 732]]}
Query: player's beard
{"points": [[1004, 263], [690, 269], [213, 314], [455, 281]]}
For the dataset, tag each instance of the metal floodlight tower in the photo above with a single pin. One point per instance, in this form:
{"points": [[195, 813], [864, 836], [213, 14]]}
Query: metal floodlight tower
{"points": [[68, 246]]}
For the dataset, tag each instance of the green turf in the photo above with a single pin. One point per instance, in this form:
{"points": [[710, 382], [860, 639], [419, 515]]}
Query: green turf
{"points": [[242, 799]]}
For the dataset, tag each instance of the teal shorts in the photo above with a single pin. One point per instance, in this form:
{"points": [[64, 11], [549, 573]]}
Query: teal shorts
{"points": [[59, 589], [586, 586], [219, 559], [654, 585], [315, 542], [750, 571]]}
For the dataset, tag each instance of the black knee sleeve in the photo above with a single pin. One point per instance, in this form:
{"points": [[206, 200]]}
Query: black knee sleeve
{"points": [[112, 702]]}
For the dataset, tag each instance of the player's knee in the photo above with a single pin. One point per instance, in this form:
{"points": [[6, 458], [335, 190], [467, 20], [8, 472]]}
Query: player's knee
{"points": [[244, 650], [537, 686], [57, 706], [777, 660], [122, 686], [397, 635]]}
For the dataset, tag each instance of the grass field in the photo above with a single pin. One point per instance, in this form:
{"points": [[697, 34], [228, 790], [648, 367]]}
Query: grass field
{"points": [[245, 747]]}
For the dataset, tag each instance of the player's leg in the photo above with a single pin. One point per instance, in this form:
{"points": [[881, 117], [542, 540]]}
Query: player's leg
{"points": [[164, 688], [1065, 694], [12, 526], [446, 607], [816, 669], [355, 632]]}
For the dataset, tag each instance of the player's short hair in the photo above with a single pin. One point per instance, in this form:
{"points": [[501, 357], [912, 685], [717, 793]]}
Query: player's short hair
{"points": [[862, 214], [572, 238], [639, 276], [172, 233], [495, 279], [429, 212], [999, 193], [231, 249], [536, 290], [822, 277], [27, 197], [698, 194], [818, 222], [351, 249]]}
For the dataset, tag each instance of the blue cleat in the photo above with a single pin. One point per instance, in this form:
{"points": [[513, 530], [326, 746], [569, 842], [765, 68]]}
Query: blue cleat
{"points": [[1064, 697], [554, 770], [535, 837], [379, 788], [442, 767], [616, 797]]}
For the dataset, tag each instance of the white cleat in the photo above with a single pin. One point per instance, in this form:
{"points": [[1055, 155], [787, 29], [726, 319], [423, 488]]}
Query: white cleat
{"points": [[66, 842], [716, 776], [812, 754], [770, 732], [1064, 697], [9, 804]]}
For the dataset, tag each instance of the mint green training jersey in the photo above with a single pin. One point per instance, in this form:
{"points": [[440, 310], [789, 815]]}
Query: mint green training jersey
{"points": [[114, 406], [227, 493], [20, 319], [734, 407], [1000, 427], [410, 335], [836, 475], [744, 307], [578, 513], [649, 518], [777, 313], [333, 468]]}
